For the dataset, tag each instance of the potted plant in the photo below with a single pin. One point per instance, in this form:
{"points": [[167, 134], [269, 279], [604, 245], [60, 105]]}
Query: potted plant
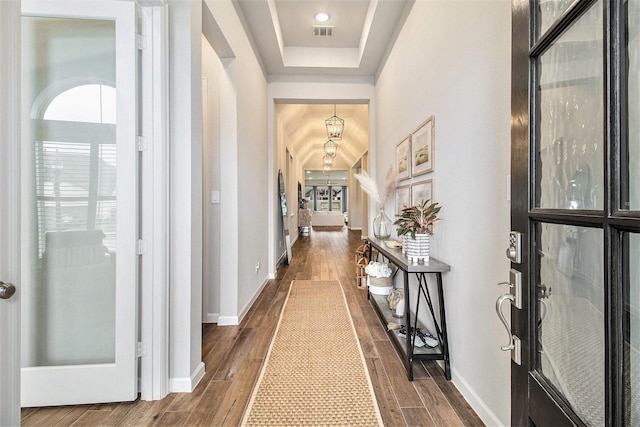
{"points": [[415, 224]]}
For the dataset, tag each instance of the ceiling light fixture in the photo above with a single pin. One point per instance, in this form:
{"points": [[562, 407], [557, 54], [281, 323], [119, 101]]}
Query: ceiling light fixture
{"points": [[326, 169], [321, 17], [327, 159], [335, 126], [331, 148]]}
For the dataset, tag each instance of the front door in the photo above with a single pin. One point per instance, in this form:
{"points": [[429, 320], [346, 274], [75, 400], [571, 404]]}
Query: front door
{"points": [[576, 203], [78, 202]]}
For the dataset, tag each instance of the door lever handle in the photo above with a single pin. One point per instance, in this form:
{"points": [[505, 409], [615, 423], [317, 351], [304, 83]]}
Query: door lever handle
{"points": [[6, 290], [501, 299]]}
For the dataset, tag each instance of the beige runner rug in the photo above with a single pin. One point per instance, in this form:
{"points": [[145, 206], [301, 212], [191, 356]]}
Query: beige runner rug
{"points": [[314, 372]]}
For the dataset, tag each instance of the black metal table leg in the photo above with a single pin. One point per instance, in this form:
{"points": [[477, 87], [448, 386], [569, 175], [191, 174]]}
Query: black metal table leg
{"points": [[443, 322], [407, 313]]}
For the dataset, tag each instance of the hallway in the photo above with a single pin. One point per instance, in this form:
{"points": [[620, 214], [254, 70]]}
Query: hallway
{"points": [[233, 356]]}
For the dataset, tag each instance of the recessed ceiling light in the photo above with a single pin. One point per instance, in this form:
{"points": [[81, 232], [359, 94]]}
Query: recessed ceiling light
{"points": [[321, 17]]}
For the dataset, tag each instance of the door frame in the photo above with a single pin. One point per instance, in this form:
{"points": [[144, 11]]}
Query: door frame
{"points": [[154, 203], [10, 211], [520, 202]]}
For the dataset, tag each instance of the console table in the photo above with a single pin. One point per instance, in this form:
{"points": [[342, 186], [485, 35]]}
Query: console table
{"points": [[434, 266]]}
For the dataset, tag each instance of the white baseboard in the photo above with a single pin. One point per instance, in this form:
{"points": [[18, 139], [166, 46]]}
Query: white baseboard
{"points": [[210, 317], [253, 299], [187, 385], [484, 412], [228, 320], [235, 320]]}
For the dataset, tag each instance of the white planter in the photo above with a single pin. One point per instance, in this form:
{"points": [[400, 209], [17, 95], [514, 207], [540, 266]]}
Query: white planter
{"points": [[417, 249], [380, 285]]}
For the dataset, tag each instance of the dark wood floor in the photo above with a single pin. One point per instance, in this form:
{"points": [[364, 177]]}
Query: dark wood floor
{"points": [[233, 356]]}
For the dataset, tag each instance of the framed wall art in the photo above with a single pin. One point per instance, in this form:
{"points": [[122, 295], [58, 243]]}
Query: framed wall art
{"points": [[403, 161], [422, 190], [422, 147], [403, 198]]}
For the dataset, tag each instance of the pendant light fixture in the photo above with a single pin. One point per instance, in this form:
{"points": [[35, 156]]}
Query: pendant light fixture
{"points": [[335, 126], [327, 159], [331, 148]]}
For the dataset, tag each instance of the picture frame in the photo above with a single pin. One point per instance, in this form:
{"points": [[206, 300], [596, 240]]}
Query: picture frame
{"points": [[422, 148], [422, 190], [403, 198], [403, 161]]}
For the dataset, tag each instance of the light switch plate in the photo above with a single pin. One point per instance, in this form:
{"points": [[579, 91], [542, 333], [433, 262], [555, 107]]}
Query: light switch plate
{"points": [[215, 197]]}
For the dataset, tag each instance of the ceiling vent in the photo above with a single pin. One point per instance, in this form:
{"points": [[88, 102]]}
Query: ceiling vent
{"points": [[323, 30]]}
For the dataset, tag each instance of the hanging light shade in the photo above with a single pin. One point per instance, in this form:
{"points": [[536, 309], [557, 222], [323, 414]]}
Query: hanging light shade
{"points": [[331, 148], [335, 126], [327, 159]]}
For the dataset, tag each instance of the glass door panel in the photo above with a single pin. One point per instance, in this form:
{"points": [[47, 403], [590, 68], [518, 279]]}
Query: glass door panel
{"points": [[70, 147], [549, 11], [632, 330], [570, 124], [571, 345]]}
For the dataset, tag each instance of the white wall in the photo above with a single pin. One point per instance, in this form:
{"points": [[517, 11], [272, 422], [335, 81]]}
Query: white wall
{"points": [[452, 60], [243, 172], [243, 169], [185, 280], [211, 70]]}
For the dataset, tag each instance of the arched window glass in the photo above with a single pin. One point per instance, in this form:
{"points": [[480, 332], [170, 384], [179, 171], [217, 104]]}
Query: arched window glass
{"points": [[76, 163], [92, 103]]}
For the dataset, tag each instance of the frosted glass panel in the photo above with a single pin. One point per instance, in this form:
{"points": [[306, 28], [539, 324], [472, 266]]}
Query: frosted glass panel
{"points": [[570, 120], [571, 316], [632, 340], [549, 11], [631, 200], [69, 192]]}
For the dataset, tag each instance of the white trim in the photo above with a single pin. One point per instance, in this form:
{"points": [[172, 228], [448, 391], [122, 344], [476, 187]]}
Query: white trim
{"points": [[210, 317], [228, 320], [10, 211], [187, 385], [154, 313]]}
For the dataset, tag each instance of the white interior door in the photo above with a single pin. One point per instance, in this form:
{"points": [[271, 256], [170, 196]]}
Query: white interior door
{"points": [[79, 211], [9, 213]]}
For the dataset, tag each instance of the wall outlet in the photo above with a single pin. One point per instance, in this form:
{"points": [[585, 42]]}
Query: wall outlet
{"points": [[257, 266]]}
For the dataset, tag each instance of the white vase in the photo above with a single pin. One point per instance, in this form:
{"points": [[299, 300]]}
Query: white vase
{"points": [[418, 248]]}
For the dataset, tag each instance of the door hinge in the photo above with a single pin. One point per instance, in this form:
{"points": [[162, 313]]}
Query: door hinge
{"points": [[142, 146], [141, 350], [140, 42], [141, 247]]}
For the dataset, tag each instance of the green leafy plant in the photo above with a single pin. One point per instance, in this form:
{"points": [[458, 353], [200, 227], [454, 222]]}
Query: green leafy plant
{"points": [[417, 219]]}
